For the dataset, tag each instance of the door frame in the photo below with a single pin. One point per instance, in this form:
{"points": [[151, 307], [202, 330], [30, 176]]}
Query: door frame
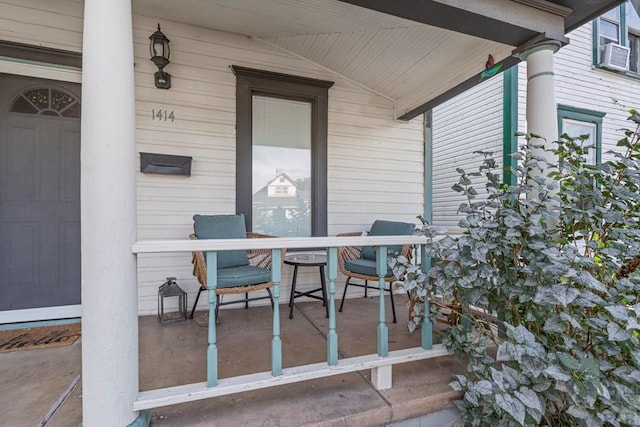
{"points": [[64, 73]]}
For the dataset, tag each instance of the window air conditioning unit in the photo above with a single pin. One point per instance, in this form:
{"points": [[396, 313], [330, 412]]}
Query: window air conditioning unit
{"points": [[615, 57]]}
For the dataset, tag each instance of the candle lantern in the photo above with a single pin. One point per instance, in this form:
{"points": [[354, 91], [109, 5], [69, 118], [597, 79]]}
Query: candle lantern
{"points": [[167, 291]]}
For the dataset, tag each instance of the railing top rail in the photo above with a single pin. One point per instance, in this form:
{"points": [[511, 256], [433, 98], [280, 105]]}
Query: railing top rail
{"points": [[187, 245]]}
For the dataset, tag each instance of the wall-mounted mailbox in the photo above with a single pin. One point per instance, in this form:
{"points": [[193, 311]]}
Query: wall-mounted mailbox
{"points": [[165, 164]]}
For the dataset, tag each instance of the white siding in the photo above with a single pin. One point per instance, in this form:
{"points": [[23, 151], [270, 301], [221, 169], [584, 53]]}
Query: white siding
{"points": [[56, 24], [522, 97], [579, 84], [375, 164], [473, 119], [467, 123]]}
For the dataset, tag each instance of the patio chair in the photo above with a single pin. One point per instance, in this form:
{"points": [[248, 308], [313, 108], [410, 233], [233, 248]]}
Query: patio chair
{"points": [[360, 263], [239, 271]]}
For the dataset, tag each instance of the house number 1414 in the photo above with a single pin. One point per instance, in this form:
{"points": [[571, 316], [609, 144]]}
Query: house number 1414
{"points": [[162, 115]]}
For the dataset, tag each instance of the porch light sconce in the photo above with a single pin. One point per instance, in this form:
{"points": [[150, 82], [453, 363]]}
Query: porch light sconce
{"points": [[160, 52], [170, 289]]}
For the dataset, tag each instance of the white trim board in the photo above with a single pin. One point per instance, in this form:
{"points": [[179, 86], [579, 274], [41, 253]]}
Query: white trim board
{"points": [[44, 313], [39, 70]]}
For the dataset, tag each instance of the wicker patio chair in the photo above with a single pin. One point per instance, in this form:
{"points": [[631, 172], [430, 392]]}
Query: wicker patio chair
{"points": [[359, 263], [242, 279]]}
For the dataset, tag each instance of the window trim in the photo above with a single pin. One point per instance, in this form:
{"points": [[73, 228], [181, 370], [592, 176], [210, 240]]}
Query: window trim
{"points": [[38, 54], [251, 82], [622, 10], [583, 115]]}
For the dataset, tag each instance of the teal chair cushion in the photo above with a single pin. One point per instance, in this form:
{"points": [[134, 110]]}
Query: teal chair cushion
{"points": [[387, 228], [223, 227], [364, 266], [242, 276]]}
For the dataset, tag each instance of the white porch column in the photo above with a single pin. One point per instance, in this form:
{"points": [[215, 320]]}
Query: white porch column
{"points": [[108, 216], [541, 111]]}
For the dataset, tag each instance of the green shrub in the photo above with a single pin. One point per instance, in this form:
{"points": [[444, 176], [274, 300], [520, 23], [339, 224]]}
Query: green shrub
{"points": [[554, 258]]}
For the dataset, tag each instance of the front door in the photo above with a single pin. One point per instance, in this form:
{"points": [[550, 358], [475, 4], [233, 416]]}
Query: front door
{"points": [[39, 194]]}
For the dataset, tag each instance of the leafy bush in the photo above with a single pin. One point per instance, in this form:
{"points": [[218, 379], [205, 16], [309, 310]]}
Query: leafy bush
{"points": [[553, 259]]}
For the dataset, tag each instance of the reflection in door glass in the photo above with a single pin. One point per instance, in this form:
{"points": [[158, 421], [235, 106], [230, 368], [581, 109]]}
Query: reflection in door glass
{"points": [[281, 166]]}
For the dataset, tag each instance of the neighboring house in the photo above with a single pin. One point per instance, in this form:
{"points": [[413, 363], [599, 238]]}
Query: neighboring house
{"points": [[597, 80], [283, 207], [344, 83], [281, 186]]}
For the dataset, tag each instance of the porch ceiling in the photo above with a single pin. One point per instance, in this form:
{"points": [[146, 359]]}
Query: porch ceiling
{"points": [[416, 53]]}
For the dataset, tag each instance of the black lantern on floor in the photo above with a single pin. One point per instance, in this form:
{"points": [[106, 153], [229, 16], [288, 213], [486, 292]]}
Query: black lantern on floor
{"points": [[170, 289], [159, 50]]}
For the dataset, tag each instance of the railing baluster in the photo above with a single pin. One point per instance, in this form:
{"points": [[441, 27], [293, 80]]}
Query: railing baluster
{"points": [[276, 344], [332, 337], [212, 349], [427, 326], [383, 333]]}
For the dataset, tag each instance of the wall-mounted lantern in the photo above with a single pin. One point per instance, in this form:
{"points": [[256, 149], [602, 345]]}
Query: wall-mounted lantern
{"points": [[170, 289], [160, 52]]}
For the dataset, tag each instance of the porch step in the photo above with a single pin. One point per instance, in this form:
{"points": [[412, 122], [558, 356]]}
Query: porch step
{"points": [[326, 402], [446, 418]]}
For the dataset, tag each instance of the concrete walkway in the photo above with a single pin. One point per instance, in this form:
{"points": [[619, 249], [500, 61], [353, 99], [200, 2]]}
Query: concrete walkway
{"points": [[42, 387]]}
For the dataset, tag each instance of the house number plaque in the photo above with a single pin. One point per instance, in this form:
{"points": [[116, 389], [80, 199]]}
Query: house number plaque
{"points": [[162, 115]]}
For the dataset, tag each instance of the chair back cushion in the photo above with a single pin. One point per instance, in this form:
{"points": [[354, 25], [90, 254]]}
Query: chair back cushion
{"points": [[223, 227], [387, 228]]}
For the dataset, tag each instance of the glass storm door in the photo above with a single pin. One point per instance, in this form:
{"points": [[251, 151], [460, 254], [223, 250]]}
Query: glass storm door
{"points": [[281, 166]]}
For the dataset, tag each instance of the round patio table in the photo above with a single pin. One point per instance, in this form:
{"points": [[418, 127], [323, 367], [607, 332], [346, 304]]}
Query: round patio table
{"points": [[307, 260]]}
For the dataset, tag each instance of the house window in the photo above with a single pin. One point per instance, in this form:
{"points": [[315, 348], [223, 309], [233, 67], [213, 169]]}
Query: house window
{"points": [[609, 26], [47, 102], [620, 26], [576, 122], [633, 36], [281, 150]]}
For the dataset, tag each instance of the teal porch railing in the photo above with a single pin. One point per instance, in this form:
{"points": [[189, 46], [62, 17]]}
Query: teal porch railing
{"points": [[380, 363]]}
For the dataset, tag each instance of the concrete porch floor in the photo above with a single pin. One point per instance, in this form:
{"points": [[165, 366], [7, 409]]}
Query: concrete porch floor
{"points": [[37, 386]]}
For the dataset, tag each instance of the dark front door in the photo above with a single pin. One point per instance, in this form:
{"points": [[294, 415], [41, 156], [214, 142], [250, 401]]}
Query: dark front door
{"points": [[39, 193]]}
